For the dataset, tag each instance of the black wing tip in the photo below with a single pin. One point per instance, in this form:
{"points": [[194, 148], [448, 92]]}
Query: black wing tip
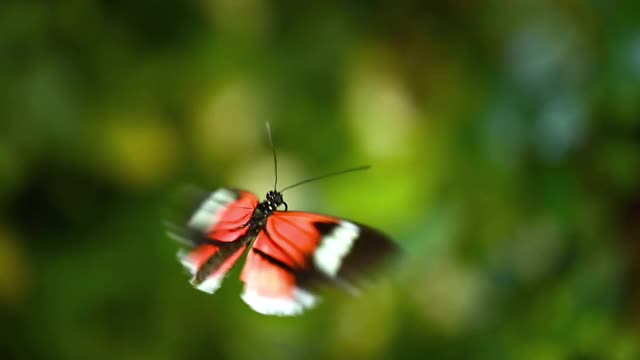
{"points": [[372, 253]]}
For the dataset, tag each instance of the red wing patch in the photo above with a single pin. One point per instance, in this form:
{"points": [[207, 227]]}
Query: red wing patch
{"points": [[215, 235], [208, 264], [319, 247], [270, 288], [292, 238], [222, 216]]}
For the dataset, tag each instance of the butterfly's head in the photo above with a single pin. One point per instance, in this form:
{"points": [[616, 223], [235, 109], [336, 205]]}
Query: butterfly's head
{"points": [[274, 198]]}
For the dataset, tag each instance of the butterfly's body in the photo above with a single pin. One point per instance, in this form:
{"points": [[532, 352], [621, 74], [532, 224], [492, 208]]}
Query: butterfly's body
{"points": [[265, 209]]}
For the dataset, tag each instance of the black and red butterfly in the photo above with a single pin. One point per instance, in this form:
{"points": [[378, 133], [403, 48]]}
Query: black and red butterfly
{"points": [[290, 252]]}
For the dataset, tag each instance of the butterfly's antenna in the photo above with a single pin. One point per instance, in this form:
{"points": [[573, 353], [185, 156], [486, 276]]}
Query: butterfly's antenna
{"points": [[358, 168], [275, 158]]}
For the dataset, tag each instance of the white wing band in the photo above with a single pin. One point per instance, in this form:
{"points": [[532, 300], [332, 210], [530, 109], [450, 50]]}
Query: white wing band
{"points": [[266, 305], [334, 247], [208, 215]]}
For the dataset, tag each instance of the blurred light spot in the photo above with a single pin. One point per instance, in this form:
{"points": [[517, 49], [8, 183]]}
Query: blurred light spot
{"points": [[257, 176], [380, 109], [504, 135], [535, 251], [560, 127], [230, 123], [538, 53], [434, 237], [626, 344], [139, 150], [240, 16], [449, 297], [13, 269], [374, 197]]}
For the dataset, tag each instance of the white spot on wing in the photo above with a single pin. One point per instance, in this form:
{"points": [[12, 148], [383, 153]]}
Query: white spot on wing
{"points": [[334, 247], [209, 285], [208, 215], [295, 305]]}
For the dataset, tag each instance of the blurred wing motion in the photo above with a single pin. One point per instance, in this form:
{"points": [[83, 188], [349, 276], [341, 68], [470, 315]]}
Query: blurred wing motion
{"points": [[215, 235], [297, 251], [271, 287], [293, 251]]}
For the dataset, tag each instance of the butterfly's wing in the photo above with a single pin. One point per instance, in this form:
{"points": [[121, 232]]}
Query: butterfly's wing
{"points": [[209, 263], [271, 286], [298, 250], [214, 234]]}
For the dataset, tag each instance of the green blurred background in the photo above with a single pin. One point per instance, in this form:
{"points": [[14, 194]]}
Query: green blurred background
{"points": [[504, 138]]}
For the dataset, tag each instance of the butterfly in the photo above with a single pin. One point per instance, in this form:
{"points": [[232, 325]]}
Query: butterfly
{"points": [[290, 253]]}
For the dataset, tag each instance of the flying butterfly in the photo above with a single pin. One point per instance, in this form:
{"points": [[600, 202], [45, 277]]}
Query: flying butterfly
{"points": [[290, 253]]}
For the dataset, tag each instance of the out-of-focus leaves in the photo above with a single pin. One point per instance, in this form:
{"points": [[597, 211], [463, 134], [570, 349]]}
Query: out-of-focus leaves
{"points": [[137, 150], [503, 139], [15, 269]]}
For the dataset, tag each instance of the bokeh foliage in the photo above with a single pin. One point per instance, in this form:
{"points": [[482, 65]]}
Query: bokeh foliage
{"points": [[504, 139]]}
